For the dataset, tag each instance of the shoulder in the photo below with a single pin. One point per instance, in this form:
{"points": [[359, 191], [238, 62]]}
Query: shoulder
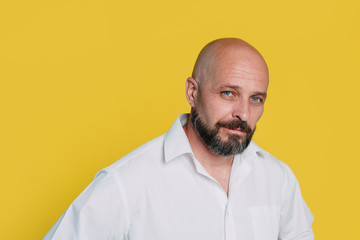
{"points": [[270, 165], [139, 161], [146, 153]]}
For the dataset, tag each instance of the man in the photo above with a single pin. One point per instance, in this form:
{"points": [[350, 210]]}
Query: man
{"points": [[204, 179]]}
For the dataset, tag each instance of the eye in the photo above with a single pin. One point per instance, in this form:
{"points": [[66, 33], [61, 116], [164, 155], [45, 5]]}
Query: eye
{"points": [[227, 93], [256, 99]]}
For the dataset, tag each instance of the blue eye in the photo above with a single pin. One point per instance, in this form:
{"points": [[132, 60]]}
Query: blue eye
{"points": [[256, 99], [227, 93]]}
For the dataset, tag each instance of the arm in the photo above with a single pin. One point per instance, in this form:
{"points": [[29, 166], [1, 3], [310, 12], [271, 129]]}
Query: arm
{"points": [[100, 212], [295, 216]]}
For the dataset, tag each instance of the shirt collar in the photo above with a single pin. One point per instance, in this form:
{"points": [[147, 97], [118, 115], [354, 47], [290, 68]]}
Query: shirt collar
{"points": [[250, 152], [176, 142]]}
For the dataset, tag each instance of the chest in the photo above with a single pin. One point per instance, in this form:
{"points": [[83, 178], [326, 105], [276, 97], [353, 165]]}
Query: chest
{"points": [[198, 208]]}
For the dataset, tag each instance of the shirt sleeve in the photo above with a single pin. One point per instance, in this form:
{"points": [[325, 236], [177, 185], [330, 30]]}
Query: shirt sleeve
{"points": [[295, 216], [100, 212]]}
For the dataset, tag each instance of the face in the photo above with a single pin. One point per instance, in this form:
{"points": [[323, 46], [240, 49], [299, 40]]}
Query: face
{"points": [[227, 105]]}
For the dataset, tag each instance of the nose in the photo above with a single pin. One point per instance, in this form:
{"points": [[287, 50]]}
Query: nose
{"points": [[241, 110]]}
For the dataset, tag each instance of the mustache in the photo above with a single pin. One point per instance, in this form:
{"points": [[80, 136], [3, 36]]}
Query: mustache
{"points": [[235, 125]]}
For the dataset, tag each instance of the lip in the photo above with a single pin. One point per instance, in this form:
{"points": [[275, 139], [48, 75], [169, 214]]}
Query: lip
{"points": [[234, 131]]}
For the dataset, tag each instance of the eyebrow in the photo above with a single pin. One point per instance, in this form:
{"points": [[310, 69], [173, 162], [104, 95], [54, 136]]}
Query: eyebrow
{"points": [[264, 94]]}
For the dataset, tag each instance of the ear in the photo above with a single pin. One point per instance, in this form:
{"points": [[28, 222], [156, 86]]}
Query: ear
{"points": [[192, 89]]}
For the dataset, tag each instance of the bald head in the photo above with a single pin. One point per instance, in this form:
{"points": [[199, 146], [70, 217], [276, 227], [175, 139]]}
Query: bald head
{"points": [[228, 88], [220, 53]]}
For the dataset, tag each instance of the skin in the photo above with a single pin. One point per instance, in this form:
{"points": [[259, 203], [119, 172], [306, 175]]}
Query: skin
{"points": [[230, 80]]}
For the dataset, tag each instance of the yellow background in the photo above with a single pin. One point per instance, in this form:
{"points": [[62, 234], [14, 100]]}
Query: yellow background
{"points": [[85, 82]]}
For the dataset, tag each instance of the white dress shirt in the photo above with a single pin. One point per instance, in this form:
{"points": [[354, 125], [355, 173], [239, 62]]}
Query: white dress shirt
{"points": [[161, 192]]}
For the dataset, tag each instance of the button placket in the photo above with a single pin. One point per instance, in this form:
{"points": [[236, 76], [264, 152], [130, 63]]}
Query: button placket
{"points": [[229, 227]]}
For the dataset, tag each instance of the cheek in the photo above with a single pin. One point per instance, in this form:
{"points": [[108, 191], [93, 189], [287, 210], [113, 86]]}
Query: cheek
{"points": [[220, 111], [255, 116], [213, 109]]}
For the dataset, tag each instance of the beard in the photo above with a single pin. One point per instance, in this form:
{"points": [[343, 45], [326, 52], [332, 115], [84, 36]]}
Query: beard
{"points": [[210, 136]]}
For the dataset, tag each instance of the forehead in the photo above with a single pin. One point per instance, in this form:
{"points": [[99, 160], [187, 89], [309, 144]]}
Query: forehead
{"points": [[243, 73]]}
